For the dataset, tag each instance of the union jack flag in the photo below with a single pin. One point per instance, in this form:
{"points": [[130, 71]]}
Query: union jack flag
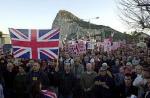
{"points": [[48, 94], [34, 43]]}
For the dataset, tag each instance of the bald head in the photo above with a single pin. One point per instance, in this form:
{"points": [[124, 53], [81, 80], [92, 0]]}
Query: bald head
{"points": [[89, 67]]}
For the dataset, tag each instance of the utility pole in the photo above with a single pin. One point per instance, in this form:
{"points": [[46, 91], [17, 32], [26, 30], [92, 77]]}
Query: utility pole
{"points": [[90, 22]]}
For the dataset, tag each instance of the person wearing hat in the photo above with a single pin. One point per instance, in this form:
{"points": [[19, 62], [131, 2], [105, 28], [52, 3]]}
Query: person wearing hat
{"points": [[105, 65], [103, 83]]}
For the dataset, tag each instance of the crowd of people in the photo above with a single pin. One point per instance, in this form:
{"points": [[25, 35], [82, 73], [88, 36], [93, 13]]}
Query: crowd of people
{"points": [[122, 73]]}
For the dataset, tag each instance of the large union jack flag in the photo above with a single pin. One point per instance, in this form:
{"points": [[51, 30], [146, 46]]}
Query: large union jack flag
{"points": [[34, 43]]}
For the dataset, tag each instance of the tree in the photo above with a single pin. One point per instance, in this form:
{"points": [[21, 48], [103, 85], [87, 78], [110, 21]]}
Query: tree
{"points": [[1, 33], [136, 13]]}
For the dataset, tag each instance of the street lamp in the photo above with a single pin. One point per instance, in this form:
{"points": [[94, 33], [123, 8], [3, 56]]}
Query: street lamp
{"points": [[90, 22], [91, 19]]}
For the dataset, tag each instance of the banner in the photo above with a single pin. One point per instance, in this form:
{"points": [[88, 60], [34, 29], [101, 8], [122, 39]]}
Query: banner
{"points": [[90, 45], [107, 45], [76, 49], [81, 47]]}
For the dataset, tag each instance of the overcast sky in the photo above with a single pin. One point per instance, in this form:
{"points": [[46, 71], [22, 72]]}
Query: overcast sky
{"points": [[41, 13]]}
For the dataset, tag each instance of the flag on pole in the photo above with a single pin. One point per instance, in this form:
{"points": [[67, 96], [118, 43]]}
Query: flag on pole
{"points": [[35, 43]]}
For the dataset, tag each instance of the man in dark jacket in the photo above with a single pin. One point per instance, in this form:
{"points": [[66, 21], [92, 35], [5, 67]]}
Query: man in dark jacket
{"points": [[87, 81], [20, 84], [147, 92], [66, 82], [37, 75], [3, 65], [127, 90], [9, 76], [103, 84], [50, 70]]}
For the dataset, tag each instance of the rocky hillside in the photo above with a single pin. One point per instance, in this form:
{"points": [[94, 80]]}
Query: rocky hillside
{"points": [[73, 27]]}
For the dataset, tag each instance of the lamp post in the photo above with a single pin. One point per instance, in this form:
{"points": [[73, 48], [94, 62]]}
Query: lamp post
{"points": [[91, 19], [90, 22], [68, 20]]}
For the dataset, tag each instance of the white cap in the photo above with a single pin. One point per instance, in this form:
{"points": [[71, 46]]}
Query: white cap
{"points": [[104, 65], [129, 64]]}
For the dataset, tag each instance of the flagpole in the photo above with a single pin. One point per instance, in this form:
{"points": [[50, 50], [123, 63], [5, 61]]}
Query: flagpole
{"points": [[57, 63]]}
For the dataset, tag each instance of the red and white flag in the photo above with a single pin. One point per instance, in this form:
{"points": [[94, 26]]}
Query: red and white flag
{"points": [[48, 94]]}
